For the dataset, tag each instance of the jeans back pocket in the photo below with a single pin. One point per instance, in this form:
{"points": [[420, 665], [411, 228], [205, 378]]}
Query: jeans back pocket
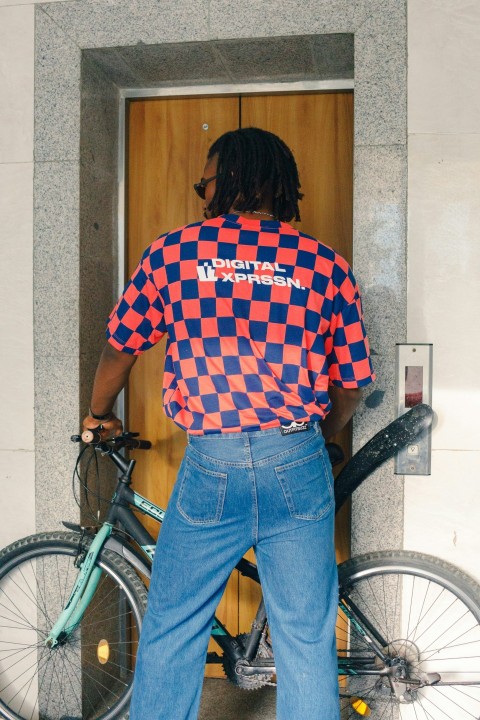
{"points": [[307, 485], [202, 493]]}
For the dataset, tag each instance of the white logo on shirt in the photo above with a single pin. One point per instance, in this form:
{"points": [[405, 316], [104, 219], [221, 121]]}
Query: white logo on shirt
{"points": [[215, 270], [206, 273]]}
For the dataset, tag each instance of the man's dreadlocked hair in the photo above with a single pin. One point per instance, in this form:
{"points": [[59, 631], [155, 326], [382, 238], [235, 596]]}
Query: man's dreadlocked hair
{"points": [[255, 167]]}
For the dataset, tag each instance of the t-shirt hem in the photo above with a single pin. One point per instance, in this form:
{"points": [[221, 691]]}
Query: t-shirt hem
{"points": [[354, 382], [112, 340]]}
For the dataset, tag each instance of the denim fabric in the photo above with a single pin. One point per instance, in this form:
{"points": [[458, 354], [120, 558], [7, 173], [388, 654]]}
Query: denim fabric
{"points": [[235, 491]]}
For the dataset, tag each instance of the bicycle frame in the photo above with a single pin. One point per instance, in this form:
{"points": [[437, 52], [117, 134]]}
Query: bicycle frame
{"points": [[120, 512], [382, 446]]}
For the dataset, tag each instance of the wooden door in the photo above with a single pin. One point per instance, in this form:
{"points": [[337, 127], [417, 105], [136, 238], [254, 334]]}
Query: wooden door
{"points": [[319, 131], [168, 141]]}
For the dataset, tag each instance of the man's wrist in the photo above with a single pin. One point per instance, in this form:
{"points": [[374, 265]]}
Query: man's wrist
{"points": [[102, 418]]}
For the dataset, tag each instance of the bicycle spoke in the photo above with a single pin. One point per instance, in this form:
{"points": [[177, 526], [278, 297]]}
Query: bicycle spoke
{"points": [[20, 613], [429, 630], [72, 685], [68, 679], [96, 682]]}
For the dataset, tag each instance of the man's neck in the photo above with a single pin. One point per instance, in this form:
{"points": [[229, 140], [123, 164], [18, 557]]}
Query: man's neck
{"points": [[260, 214]]}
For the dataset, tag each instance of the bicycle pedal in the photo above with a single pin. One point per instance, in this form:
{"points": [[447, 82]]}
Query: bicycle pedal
{"points": [[361, 707]]}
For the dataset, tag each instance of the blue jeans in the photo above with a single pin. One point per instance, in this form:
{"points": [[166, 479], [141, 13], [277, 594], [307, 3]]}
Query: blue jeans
{"points": [[235, 491]]}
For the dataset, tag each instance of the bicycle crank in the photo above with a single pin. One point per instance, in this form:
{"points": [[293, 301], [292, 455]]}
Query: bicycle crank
{"points": [[251, 676]]}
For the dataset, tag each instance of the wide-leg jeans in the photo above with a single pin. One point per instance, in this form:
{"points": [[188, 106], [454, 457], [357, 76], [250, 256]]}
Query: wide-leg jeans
{"points": [[234, 491]]}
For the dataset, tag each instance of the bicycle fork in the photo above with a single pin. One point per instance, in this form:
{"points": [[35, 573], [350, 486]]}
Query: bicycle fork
{"points": [[82, 591]]}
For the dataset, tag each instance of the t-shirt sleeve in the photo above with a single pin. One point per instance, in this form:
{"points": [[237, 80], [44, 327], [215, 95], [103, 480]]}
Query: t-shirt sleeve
{"points": [[348, 350], [136, 323]]}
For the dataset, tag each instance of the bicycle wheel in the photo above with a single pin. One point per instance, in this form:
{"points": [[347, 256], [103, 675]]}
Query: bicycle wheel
{"points": [[88, 674], [424, 614]]}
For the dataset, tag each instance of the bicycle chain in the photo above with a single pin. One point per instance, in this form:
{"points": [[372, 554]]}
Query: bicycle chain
{"points": [[250, 682]]}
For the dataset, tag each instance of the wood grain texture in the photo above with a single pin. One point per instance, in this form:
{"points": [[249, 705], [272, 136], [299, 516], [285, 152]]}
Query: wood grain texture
{"points": [[318, 128], [168, 145]]}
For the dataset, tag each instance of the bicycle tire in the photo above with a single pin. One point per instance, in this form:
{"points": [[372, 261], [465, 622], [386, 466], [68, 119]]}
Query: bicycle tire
{"points": [[89, 674], [428, 611]]}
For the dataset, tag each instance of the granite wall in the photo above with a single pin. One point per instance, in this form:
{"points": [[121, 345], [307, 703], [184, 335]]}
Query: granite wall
{"points": [[85, 53]]}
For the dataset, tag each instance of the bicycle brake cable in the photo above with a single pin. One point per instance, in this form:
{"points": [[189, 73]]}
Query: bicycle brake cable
{"points": [[83, 481]]}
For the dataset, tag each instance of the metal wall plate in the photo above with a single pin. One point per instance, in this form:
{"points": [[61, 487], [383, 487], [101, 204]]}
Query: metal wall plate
{"points": [[414, 386]]}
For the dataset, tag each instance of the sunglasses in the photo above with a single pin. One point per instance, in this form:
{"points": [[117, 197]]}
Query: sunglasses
{"points": [[200, 186]]}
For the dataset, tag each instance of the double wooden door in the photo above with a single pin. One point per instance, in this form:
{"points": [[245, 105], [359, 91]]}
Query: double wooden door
{"points": [[168, 140]]}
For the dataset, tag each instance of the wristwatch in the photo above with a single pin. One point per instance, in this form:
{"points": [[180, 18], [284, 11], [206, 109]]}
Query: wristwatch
{"points": [[102, 418]]}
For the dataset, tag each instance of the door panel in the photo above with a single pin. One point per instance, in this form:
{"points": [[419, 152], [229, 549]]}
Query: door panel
{"points": [[319, 131], [167, 147], [168, 144], [318, 128]]}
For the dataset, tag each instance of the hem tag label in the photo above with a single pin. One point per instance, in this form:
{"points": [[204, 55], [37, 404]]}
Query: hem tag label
{"points": [[294, 427]]}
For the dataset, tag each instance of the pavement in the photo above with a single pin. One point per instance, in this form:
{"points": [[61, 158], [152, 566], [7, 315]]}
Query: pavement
{"points": [[223, 701]]}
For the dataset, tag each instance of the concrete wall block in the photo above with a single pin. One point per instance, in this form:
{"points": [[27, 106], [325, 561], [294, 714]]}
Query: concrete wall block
{"points": [[54, 465], [56, 398], [17, 481], [56, 258], [377, 408], [380, 186], [16, 84], [57, 92], [380, 79], [377, 512], [265, 18], [16, 301], [444, 47], [101, 23]]}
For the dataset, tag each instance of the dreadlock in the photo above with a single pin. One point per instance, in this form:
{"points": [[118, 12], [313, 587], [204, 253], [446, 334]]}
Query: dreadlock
{"points": [[255, 167]]}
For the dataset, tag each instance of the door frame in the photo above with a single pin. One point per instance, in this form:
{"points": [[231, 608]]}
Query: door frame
{"points": [[266, 88]]}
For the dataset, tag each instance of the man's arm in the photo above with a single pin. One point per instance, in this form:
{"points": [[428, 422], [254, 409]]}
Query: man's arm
{"points": [[344, 404], [110, 378]]}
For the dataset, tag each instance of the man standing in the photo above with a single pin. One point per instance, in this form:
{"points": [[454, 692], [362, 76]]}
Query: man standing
{"points": [[266, 356]]}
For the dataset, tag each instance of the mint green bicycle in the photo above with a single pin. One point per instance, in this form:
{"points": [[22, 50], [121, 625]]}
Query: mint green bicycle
{"points": [[72, 602]]}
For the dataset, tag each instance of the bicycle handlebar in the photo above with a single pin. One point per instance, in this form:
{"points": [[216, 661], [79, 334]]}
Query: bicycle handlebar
{"points": [[126, 439], [384, 445]]}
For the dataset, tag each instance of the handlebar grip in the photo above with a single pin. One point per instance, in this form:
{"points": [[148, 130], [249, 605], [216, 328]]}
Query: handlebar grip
{"points": [[139, 444], [91, 437]]}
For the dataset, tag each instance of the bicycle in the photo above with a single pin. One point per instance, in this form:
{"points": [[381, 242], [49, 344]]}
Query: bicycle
{"points": [[71, 608]]}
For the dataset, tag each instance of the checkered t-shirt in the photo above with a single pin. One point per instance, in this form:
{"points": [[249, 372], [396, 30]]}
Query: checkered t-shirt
{"points": [[260, 320]]}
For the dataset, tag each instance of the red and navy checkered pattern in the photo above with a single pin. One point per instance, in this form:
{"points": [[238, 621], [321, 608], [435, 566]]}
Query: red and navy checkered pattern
{"points": [[260, 319]]}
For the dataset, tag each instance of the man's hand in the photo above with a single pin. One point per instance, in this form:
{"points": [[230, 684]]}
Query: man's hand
{"points": [[107, 429]]}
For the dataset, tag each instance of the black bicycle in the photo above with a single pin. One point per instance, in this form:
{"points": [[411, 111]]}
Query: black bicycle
{"points": [[71, 608]]}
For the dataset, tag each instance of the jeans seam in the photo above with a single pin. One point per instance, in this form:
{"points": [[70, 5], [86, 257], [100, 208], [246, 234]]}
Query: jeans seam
{"points": [[251, 472], [291, 504], [289, 499], [220, 501], [258, 463]]}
